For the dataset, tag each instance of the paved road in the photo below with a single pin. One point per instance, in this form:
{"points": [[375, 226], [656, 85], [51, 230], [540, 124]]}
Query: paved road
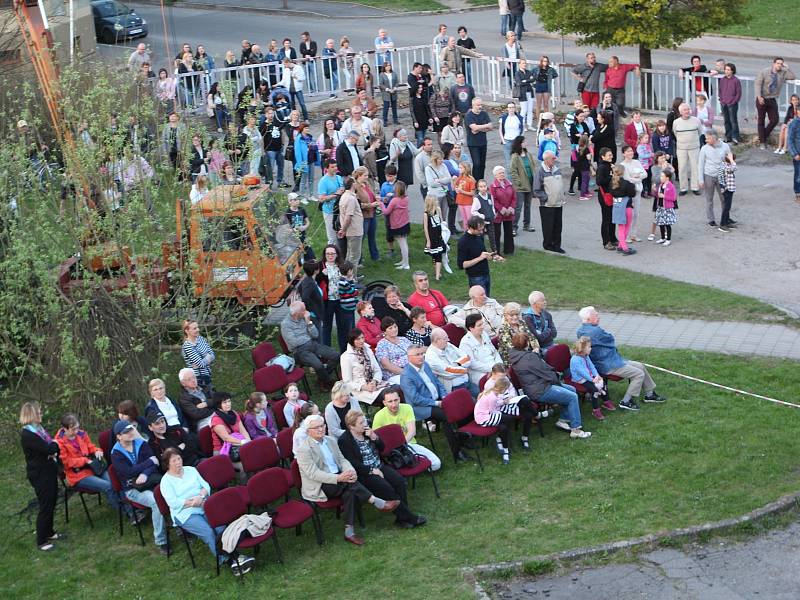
{"points": [[224, 29], [766, 566]]}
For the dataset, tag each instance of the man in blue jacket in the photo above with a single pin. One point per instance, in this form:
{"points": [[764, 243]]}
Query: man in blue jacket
{"points": [[793, 141], [136, 467], [424, 392], [608, 361]]}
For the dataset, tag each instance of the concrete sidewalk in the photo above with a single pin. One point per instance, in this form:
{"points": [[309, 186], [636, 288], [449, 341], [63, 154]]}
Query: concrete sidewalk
{"points": [[726, 337]]}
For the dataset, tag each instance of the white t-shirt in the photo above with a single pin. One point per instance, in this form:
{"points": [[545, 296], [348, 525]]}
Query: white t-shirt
{"points": [[512, 127], [168, 410]]}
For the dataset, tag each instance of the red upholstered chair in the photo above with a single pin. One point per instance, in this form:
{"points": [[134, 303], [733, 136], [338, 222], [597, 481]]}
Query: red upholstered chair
{"points": [[270, 380], [329, 504], [205, 441], [259, 454], [218, 471], [270, 486], [104, 441], [224, 507], [286, 444], [393, 437], [123, 499], [454, 333], [277, 410], [558, 357], [163, 508], [261, 354], [483, 381], [458, 407]]}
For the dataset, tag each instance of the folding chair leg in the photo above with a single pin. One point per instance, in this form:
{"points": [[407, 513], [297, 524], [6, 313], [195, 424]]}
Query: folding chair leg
{"points": [[480, 462], [86, 510], [318, 530], [189, 549], [306, 385], [66, 505], [169, 549], [139, 529], [539, 427], [430, 436], [120, 520], [435, 486], [277, 548]]}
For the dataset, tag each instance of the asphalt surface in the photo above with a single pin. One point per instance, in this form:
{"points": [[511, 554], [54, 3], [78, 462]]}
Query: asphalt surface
{"points": [[223, 29], [766, 566]]}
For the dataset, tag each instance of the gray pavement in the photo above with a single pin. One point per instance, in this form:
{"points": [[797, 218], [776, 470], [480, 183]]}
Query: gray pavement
{"points": [[765, 566], [727, 337]]}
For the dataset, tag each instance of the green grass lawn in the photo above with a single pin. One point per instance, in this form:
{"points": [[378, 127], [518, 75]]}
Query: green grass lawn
{"points": [[767, 19], [704, 455], [561, 278], [407, 6]]}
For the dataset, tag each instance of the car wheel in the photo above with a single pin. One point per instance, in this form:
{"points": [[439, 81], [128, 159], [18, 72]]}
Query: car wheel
{"points": [[109, 36]]}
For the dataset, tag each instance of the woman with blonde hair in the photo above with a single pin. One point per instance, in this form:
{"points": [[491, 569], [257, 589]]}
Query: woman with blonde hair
{"points": [[341, 402], [197, 353], [432, 227], [512, 324], [41, 466], [360, 369]]}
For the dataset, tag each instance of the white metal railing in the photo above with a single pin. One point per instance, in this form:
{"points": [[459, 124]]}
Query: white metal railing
{"points": [[654, 91]]}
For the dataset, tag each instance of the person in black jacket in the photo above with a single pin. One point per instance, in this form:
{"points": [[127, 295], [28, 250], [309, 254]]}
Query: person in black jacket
{"points": [[196, 403], [605, 160], [344, 154], [362, 448], [162, 438], [198, 163], [310, 293], [41, 466]]}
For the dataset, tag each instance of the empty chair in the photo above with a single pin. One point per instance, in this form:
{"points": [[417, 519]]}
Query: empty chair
{"points": [[218, 471], [458, 407], [268, 487]]}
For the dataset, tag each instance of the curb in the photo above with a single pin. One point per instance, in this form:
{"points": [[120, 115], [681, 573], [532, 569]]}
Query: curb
{"points": [[783, 504]]}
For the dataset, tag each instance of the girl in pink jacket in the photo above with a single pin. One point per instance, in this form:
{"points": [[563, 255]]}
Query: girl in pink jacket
{"points": [[667, 205], [505, 203], [399, 222], [495, 409]]}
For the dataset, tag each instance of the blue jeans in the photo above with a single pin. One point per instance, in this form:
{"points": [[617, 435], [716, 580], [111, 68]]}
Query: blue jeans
{"points": [[307, 182], [311, 76], [482, 280], [504, 24], [198, 525], [370, 228], [223, 116], [275, 157], [564, 395], [297, 98], [149, 500], [507, 155], [470, 387], [730, 114], [100, 484], [386, 104], [334, 81], [420, 136], [796, 164]]}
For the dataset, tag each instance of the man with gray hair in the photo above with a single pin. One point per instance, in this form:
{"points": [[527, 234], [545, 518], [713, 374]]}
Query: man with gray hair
{"points": [[347, 157], [301, 337], [687, 130], [197, 405], [479, 303], [325, 473], [710, 162], [548, 187], [539, 321], [608, 361], [449, 363]]}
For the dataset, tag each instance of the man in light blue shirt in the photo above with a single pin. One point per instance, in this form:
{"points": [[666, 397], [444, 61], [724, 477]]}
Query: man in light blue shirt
{"points": [[329, 188], [383, 47]]}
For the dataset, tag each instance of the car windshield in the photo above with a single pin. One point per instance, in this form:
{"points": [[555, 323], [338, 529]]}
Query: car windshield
{"points": [[275, 236], [111, 9]]}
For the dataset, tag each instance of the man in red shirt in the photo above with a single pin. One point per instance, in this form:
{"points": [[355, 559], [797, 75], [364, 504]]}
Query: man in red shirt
{"points": [[616, 74], [432, 301]]}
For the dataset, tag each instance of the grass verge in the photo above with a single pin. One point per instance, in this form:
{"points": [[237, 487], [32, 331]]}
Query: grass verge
{"points": [[702, 456], [767, 19], [407, 6]]}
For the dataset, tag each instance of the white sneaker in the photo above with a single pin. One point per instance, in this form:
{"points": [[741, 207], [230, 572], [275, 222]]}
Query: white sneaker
{"points": [[776, 151], [563, 425], [781, 151], [580, 434], [667, 242], [660, 241], [402, 268], [651, 237], [399, 263]]}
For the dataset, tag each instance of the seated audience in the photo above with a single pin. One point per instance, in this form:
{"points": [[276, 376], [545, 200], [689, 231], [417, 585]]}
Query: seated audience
{"points": [[137, 470], [159, 402], [308, 409], [162, 438], [195, 405], [391, 306], [77, 452], [479, 303], [433, 301], [392, 351], [495, 409], [360, 368], [540, 321], [583, 371], [185, 491], [609, 362], [325, 473], [449, 363], [424, 392], [128, 411], [369, 323], [477, 345], [362, 447], [420, 332], [301, 337], [541, 384], [293, 403], [341, 402], [227, 431], [513, 324], [396, 412], [258, 418]]}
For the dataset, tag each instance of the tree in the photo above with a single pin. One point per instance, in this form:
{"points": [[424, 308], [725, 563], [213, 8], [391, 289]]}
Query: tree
{"points": [[648, 24]]}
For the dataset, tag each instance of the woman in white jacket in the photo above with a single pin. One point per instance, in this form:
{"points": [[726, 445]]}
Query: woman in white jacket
{"points": [[360, 368], [478, 346], [635, 173]]}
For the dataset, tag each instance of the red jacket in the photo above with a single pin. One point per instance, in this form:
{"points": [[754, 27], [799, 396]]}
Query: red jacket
{"points": [[504, 197], [372, 331], [76, 457], [631, 137]]}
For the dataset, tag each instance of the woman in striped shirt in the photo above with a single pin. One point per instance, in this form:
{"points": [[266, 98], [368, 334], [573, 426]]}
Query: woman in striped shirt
{"points": [[197, 353]]}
